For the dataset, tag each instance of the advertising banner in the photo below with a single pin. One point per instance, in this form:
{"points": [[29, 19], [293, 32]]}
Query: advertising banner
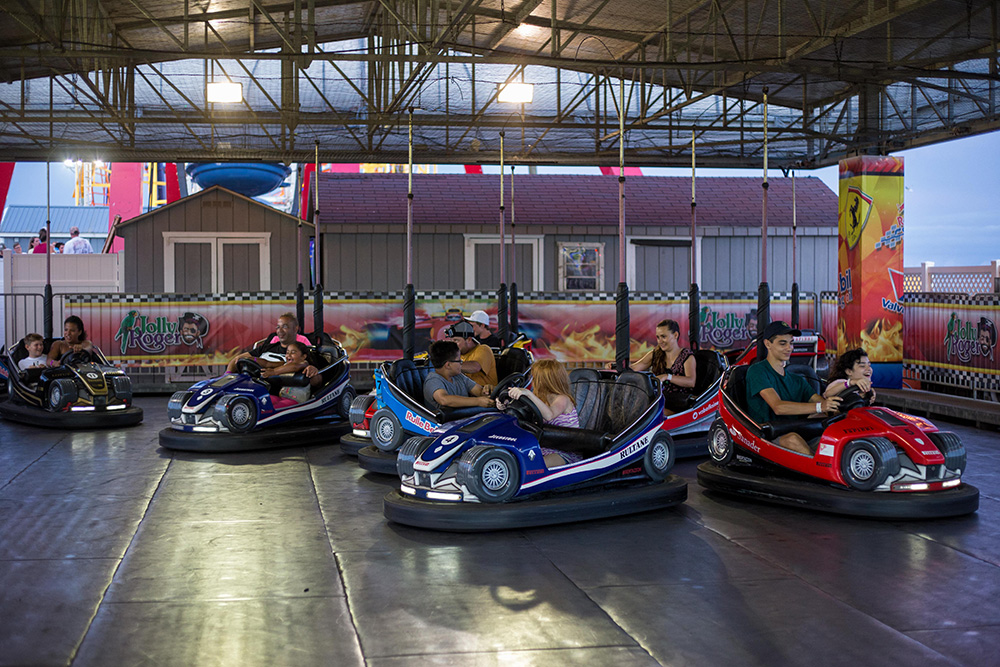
{"points": [[955, 336], [149, 330], [870, 263]]}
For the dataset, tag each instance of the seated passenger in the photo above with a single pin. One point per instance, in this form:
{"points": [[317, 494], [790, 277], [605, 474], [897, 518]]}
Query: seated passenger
{"points": [[478, 361], [673, 365], [74, 340], [34, 344], [296, 361], [772, 393], [446, 387], [270, 354], [554, 400], [480, 322], [853, 369]]}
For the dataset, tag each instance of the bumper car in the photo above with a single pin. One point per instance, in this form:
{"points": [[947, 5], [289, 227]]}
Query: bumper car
{"points": [[487, 472], [703, 405], [85, 391], [381, 423], [866, 461], [240, 411]]}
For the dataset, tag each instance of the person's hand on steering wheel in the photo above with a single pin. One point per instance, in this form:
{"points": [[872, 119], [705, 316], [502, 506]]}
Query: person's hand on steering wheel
{"points": [[250, 367], [831, 404], [852, 398], [75, 356]]}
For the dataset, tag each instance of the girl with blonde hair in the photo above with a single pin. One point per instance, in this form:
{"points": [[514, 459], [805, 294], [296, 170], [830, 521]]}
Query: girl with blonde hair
{"points": [[554, 399]]}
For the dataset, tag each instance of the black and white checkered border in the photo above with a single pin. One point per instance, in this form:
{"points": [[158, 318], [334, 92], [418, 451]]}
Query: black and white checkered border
{"points": [[954, 377], [423, 295], [953, 298], [233, 297]]}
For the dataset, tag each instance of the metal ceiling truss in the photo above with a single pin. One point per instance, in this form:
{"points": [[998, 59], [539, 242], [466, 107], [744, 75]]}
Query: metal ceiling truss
{"points": [[126, 79]]}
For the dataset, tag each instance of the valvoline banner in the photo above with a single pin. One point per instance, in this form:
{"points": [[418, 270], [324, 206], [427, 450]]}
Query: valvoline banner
{"points": [[870, 263], [209, 332]]}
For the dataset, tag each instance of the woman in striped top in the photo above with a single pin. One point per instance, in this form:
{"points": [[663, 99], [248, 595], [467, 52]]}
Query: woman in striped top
{"points": [[554, 399]]}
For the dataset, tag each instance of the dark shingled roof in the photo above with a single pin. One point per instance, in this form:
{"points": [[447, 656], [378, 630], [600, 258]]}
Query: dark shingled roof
{"points": [[572, 200]]}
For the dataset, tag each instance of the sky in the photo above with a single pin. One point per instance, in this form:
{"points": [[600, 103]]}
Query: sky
{"points": [[952, 196]]}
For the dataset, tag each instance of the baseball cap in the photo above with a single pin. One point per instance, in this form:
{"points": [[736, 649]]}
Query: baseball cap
{"points": [[779, 329], [460, 330], [479, 316]]}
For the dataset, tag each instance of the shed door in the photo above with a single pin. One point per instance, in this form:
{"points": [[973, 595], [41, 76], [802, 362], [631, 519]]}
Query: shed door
{"points": [[661, 266], [482, 257], [214, 262], [194, 268], [240, 267]]}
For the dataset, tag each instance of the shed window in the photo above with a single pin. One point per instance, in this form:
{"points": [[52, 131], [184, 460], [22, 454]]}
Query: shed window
{"points": [[581, 266]]}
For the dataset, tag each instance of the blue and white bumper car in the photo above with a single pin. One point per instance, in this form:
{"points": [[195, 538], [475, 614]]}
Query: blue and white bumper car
{"points": [[241, 411], [397, 409], [487, 472]]}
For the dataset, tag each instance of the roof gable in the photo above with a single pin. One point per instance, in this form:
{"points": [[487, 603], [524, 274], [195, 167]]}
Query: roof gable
{"points": [[216, 191], [572, 200]]}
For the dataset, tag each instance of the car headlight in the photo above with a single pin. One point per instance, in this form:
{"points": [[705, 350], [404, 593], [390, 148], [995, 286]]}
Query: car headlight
{"points": [[176, 402]]}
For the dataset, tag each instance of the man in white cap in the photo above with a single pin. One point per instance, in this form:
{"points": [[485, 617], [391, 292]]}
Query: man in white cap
{"points": [[480, 322], [77, 245]]}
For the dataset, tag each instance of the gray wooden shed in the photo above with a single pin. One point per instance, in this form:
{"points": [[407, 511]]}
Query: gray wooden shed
{"points": [[211, 242], [567, 232]]}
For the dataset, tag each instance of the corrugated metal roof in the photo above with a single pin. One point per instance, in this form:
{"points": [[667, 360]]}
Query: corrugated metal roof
{"points": [[544, 199], [27, 220]]}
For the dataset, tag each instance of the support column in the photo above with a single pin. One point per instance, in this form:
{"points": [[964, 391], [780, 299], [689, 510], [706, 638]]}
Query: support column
{"points": [[870, 264]]}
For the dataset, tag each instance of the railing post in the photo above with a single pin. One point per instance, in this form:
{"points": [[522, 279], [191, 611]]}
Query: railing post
{"points": [[925, 276]]}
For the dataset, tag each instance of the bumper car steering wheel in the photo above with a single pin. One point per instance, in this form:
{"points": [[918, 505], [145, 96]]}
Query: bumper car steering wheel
{"points": [[852, 398], [250, 367], [523, 408], [74, 358]]}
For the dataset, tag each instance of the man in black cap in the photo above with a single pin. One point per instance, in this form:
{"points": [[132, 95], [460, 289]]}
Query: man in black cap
{"points": [[772, 393], [477, 360]]}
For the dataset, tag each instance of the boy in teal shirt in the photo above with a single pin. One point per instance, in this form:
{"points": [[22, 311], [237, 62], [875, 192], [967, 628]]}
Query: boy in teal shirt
{"points": [[772, 393]]}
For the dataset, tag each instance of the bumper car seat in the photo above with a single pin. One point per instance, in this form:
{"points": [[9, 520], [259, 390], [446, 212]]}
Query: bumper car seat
{"points": [[708, 366]]}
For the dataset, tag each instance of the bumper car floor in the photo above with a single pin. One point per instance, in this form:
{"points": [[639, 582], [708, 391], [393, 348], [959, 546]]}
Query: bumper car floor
{"points": [[118, 552]]}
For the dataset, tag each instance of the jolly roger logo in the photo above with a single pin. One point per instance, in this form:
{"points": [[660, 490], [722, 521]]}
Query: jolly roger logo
{"points": [[859, 207]]}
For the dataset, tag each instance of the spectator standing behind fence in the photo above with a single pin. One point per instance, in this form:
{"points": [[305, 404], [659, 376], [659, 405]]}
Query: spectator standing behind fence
{"points": [[43, 245], [77, 245], [32, 244]]}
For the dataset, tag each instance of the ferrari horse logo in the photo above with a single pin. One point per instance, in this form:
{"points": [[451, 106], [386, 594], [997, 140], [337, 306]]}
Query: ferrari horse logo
{"points": [[859, 208]]}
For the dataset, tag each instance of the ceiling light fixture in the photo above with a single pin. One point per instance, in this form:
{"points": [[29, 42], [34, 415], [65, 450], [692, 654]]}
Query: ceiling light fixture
{"points": [[515, 93], [225, 92]]}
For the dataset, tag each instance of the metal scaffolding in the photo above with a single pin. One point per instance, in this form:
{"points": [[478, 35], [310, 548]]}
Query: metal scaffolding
{"points": [[126, 79]]}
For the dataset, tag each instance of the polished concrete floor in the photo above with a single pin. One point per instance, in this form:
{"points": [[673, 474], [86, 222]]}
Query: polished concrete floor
{"points": [[115, 552]]}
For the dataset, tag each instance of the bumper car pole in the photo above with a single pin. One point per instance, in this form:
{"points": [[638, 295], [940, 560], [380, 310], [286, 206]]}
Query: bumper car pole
{"points": [[409, 299], [47, 301], [318, 292], [502, 328], [300, 299], [513, 259], [763, 291], [694, 302], [795, 283], [621, 299]]}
